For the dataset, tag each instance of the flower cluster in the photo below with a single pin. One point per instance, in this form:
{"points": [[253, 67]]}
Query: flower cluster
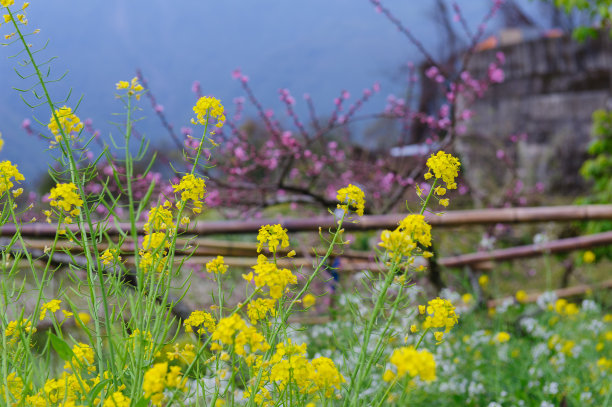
{"points": [[160, 218], [8, 173], [65, 197], [134, 87], [565, 308], [246, 340], [259, 308], [207, 107], [201, 320], [273, 235], [158, 230], [64, 123], [83, 358], [216, 266], [51, 306], [402, 241], [14, 329], [417, 228], [15, 387], [159, 378], [397, 243], [109, 256], [191, 188], [409, 361], [290, 365], [117, 399], [444, 166], [267, 274], [351, 197], [440, 314]]}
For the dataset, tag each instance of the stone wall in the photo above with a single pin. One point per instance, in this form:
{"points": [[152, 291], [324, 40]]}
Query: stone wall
{"points": [[552, 86]]}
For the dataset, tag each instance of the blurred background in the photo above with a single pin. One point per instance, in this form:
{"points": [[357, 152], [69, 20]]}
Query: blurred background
{"points": [[316, 47]]}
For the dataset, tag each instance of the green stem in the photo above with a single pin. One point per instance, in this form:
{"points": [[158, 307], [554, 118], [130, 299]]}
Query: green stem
{"points": [[74, 174]]}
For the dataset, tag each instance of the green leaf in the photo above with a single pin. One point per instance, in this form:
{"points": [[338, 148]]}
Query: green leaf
{"points": [[143, 402], [93, 393], [61, 347], [582, 33]]}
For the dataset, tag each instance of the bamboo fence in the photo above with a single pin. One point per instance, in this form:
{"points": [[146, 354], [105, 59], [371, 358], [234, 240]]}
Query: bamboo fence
{"points": [[239, 254]]}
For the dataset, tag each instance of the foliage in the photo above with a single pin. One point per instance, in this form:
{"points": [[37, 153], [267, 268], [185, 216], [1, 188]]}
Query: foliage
{"points": [[598, 171], [597, 9]]}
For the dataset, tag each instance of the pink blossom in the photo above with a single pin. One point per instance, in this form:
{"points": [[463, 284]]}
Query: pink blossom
{"points": [[195, 87], [432, 72], [496, 75], [158, 108], [240, 153]]}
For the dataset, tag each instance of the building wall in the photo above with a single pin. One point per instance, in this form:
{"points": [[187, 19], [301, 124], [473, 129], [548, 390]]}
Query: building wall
{"points": [[551, 88]]}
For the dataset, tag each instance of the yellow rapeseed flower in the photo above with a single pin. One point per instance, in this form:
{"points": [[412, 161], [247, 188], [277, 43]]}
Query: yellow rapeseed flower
{"points": [[207, 107], [501, 337], [273, 235], [197, 319], [398, 243], [69, 123], [443, 166], [418, 228], [216, 266], [158, 378], [117, 399], [133, 87], [192, 188], [7, 3], [412, 362], [52, 306], [267, 274], [65, 197], [108, 256], [440, 314], [325, 376], [8, 173], [309, 300], [521, 296], [160, 219], [259, 308], [588, 257], [351, 196], [83, 358]]}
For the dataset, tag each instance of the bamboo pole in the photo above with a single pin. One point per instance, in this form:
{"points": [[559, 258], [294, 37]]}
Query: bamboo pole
{"points": [[372, 222], [533, 250], [573, 291]]}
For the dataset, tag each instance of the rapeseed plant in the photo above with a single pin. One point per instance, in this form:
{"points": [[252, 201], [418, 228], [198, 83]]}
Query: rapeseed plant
{"points": [[131, 349]]}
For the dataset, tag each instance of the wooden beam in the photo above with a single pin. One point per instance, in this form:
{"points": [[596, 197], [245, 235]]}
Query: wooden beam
{"points": [[573, 291], [373, 222], [533, 250]]}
